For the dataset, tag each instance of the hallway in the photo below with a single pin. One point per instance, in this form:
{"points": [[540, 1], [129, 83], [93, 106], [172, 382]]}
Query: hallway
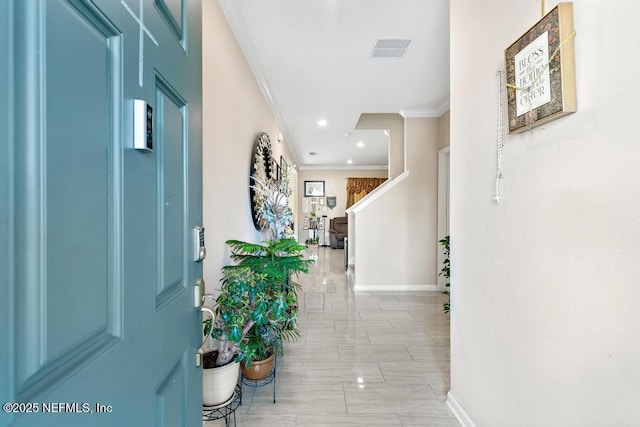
{"points": [[365, 359]]}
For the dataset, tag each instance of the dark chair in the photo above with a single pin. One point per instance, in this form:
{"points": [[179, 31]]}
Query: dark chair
{"points": [[338, 228]]}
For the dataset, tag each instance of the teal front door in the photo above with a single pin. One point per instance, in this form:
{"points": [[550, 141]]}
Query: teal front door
{"points": [[97, 271]]}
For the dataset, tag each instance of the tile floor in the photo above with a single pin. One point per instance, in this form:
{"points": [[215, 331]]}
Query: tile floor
{"points": [[364, 359]]}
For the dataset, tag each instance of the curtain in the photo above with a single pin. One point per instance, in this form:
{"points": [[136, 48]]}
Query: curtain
{"points": [[357, 188]]}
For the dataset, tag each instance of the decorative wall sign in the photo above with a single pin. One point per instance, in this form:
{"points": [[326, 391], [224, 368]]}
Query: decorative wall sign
{"points": [[541, 71], [331, 202]]}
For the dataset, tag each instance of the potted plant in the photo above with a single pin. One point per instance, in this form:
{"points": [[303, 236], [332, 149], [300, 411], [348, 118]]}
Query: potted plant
{"points": [[243, 307], [254, 313], [274, 263], [219, 378], [446, 272], [264, 345], [220, 373]]}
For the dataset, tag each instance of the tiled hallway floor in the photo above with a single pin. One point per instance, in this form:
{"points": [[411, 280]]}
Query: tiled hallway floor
{"points": [[364, 359]]}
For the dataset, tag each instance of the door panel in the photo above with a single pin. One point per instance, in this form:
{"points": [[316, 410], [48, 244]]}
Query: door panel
{"points": [[172, 196], [77, 151], [172, 11], [95, 268], [64, 162], [170, 407]]}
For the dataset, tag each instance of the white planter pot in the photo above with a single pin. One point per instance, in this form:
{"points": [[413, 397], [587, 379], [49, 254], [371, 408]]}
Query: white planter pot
{"points": [[218, 384]]}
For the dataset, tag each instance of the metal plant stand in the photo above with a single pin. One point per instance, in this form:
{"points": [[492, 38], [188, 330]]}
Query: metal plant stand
{"points": [[224, 410], [324, 232], [346, 253], [269, 379]]}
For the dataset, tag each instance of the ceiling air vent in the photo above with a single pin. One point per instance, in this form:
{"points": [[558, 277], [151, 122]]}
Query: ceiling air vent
{"points": [[390, 48]]}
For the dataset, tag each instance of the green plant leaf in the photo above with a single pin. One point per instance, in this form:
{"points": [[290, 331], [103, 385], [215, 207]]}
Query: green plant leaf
{"points": [[235, 333]]}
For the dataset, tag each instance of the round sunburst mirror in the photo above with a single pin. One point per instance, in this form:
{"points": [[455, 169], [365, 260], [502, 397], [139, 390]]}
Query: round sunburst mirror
{"points": [[261, 170]]}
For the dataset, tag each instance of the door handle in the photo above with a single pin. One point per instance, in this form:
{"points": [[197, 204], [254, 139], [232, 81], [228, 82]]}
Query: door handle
{"points": [[198, 293]]}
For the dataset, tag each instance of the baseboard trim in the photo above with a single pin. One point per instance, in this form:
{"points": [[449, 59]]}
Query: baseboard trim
{"points": [[458, 411], [393, 288]]}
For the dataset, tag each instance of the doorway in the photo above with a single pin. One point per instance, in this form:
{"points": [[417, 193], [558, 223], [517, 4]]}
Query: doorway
{"points": [[443, 206]]}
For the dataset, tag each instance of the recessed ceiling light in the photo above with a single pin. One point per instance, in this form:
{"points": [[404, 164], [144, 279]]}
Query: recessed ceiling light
{"points": [[322, 123], [349, 161], [360, 144]]}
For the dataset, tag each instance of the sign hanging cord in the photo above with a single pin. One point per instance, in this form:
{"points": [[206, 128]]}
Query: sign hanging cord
{"points": [[499, 138]]}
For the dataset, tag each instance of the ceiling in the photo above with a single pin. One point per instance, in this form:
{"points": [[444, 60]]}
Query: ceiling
{"points": [[313, 60]]}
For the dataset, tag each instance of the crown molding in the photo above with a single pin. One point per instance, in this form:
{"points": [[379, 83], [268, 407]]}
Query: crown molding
{"points": [[348, 167], [236, 22], [410, 113]]}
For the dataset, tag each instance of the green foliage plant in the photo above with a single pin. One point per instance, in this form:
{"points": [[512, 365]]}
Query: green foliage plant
{"points": [[276, 263], [257, 307], [446, 272], [233, 309]]}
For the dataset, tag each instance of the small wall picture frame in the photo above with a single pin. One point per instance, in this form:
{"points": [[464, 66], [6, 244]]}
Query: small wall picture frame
{"points": [[275, 169], [540, 70], [284, 168], [314, 189]]}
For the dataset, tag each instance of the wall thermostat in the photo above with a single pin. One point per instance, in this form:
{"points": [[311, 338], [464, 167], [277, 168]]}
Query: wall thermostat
{"points": [[142, 125]]}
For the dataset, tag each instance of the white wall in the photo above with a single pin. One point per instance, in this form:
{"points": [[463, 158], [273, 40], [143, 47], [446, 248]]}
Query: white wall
{"points": [[545, 323], [396, 234], [234, 112], [335, 185], [394, 123]]}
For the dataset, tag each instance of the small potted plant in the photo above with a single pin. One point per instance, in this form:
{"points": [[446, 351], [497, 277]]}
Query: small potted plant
{"points": [[220, 373], [247, 316], [263, 345]]}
